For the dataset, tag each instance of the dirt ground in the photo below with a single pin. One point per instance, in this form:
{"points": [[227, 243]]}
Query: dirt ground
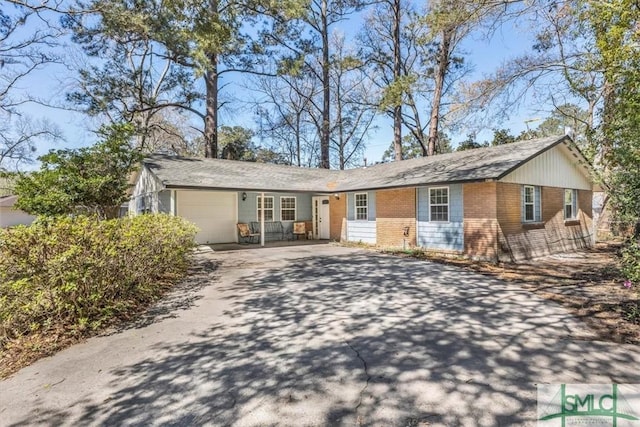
{"points": [[588, 283]]}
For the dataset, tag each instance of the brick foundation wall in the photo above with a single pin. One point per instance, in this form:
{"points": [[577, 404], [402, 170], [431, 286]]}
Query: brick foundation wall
{"points": [[553, 234], [338, 217], [481, 228], [395, 210]]}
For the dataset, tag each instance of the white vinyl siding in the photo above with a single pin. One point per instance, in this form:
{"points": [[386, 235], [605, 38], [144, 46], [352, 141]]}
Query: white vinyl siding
{"points": [[570, 204], [361, 207], [531, 210], [439, 204], [287, 208], [144, 197], [268, 208], [557, 167]]}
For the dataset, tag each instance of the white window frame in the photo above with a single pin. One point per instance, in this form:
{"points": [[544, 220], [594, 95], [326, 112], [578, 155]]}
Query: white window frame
{"points": [[532, 203], [364, 208], [573, 204], [432, 205], [272, 208], [294, 209]]}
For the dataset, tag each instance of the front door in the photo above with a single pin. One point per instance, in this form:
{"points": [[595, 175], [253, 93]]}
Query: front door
{"points": [[321, 223]]}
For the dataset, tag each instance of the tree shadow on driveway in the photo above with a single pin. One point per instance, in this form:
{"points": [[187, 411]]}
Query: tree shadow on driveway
{"points": [[359, 339]]}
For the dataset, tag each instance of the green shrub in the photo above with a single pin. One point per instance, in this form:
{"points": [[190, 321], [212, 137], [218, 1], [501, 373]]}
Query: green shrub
{"points": [[631, 262], [80, 273]]}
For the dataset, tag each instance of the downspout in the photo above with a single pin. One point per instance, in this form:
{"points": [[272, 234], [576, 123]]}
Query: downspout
{"points": [[262, 220]]}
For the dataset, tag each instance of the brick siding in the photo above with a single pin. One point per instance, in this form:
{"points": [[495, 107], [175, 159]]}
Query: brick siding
{"points": [[395, 210], [493, 227], [522, 241], [480, 225], [338, 217]]}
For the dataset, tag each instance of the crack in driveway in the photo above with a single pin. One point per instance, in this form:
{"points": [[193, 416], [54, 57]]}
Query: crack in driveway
{"points": [[366, 372]]}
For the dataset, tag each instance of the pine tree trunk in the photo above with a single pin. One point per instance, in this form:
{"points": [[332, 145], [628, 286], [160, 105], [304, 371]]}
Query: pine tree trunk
{"points": [[211, 98], [441, 71], [326, 90], [397, 111], [340, 124], [211, 117]]}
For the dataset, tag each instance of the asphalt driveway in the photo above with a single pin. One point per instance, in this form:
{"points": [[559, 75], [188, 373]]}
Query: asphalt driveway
{"points": [[321, 335]]}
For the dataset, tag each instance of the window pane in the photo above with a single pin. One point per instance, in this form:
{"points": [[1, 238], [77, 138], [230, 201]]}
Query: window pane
{"points": [[288, 215], [569, 204], [268, 212], [528, 194], [439, 204], [288, 208], [568, 211], [439, 213], [361, 213], [288, 203], [528, 212], [361, 207]]}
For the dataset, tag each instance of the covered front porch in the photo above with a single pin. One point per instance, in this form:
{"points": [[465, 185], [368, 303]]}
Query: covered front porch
{"points": [[272, 216], [220, 215]]}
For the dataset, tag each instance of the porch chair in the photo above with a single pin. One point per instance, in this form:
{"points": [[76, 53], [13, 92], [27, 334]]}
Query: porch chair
{"points": [[247, 234], [299, 229]]}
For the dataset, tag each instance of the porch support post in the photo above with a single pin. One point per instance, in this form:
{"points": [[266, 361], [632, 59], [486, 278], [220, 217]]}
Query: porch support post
{"points": [[262, 219]]}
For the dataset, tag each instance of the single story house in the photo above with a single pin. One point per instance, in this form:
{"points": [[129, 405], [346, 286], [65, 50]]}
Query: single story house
{"points": [[10, 216], [512, 201]]}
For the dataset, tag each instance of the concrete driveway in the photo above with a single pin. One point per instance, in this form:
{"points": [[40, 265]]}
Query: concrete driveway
{"points": [[321, 335]]}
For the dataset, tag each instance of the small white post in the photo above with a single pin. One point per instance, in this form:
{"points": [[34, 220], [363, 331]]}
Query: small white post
{"points": [[262, 201]]}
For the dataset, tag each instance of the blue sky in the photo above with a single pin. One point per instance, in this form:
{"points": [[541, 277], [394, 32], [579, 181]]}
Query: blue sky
{"points": [[50, 84]]}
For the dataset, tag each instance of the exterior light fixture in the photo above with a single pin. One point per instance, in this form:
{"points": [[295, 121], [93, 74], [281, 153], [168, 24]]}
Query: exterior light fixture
{"points": [[244, 196]]}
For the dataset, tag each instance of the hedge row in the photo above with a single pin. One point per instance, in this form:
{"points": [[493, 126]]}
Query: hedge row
{"points": [[80, 273], [631, 261]]}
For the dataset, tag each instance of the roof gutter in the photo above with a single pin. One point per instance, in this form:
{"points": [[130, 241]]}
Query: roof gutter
{"points": [[328, 192]]}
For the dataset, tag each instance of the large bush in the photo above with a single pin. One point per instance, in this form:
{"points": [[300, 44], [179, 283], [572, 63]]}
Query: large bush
{"points": [[631, 261], [90, 180], [80, 273]]}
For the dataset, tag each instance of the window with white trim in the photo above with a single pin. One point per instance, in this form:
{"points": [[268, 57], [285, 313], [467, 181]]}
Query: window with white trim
{"points": [[361, 207], [570, 204], [268, 208], [439, 204], [531, 211], [287, 208], [144, 203]]}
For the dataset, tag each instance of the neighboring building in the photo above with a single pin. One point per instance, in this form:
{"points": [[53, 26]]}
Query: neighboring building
{"points": [[513, 201], [9, 216]]}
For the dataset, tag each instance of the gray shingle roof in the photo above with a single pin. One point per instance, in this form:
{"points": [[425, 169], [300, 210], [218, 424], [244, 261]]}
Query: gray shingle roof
{"points": [[465, 166], [231, 174]]}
